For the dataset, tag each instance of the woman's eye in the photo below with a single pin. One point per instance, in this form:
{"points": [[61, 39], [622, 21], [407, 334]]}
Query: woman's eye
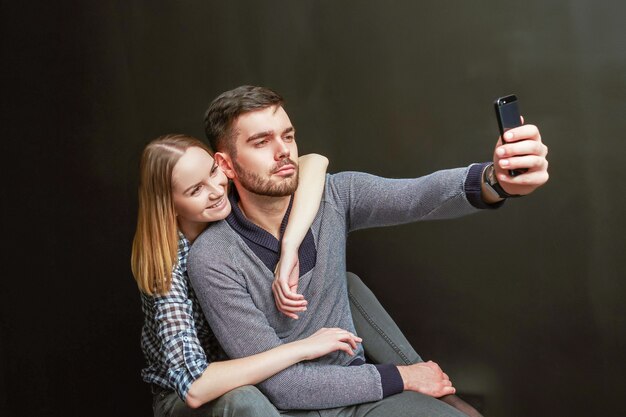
{"points": [[214, 171], [196, 190]]}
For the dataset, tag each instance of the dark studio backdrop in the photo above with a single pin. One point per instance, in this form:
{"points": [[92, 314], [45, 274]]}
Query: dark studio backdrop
{"points": [[522, 307]]}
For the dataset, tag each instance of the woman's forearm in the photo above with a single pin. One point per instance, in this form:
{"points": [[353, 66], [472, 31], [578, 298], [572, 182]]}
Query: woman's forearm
{"points": [[221, 377], [303, 211], [312, 177]]}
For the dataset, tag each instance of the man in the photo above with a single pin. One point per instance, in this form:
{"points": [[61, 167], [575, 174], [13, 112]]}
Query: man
{"points": [[231, 265]]}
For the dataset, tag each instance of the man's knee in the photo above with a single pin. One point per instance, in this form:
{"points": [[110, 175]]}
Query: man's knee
{"points": [[414, 404], [243, 402]]}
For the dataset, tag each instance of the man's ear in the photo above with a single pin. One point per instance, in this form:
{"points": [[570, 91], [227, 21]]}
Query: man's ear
{"points": [[225, 164]]}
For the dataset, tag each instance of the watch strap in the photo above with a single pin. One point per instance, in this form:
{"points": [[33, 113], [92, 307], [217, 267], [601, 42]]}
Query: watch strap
{"points": [[491, 182]]}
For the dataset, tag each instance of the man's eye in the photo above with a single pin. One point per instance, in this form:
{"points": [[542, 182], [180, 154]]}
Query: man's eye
{"points": [[288, 138], [261, 142]]}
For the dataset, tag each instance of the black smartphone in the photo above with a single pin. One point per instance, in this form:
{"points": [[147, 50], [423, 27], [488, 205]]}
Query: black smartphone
{"points": [[508, 115]]}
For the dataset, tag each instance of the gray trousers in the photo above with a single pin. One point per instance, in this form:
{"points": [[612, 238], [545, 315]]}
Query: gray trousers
{"points": [[383, 343], [246, 401]]}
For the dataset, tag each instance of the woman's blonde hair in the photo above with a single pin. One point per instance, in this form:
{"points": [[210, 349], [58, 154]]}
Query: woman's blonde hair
{"points": [[155, 246]]}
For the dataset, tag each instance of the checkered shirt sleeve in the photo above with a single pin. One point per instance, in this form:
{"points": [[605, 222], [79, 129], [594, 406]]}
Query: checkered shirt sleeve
{"points": [[176, 339]]}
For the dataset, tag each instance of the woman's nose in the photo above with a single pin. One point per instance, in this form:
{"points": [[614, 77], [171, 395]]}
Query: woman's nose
{"points": [[216, 190]]}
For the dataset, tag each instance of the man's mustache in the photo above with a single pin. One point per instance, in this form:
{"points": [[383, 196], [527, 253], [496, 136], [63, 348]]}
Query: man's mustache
{"points": [[282, 163]]}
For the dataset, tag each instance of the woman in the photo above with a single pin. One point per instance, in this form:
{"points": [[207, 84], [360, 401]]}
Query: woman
{"points": [[181, 192]]}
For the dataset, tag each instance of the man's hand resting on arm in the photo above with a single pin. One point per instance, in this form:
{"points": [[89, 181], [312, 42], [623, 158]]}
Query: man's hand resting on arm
{"points": [[426, 378]]}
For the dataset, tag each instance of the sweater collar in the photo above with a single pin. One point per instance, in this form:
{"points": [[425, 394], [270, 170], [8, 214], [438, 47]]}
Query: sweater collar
{"points": [[240, 223]]}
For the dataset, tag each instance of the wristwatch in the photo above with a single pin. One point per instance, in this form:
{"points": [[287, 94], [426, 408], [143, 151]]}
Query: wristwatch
{"points": [[492, 186]]}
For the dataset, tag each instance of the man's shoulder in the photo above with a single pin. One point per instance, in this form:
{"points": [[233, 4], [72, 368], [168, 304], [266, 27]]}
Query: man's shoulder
{"points": [[341, 184], [342, 179], [218, 252]]}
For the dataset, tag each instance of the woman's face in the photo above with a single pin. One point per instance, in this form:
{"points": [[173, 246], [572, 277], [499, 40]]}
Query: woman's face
{"points": [[199, 189]]}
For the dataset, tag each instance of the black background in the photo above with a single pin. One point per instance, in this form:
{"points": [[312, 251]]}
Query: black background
{"points": [[522, 306]]}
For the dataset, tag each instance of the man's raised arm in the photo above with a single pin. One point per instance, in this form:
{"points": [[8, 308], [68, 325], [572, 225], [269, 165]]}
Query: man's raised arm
{"points": [[371, 201]]}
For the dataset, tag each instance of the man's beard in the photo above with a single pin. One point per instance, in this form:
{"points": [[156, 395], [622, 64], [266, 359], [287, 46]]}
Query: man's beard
{"points": [[257, 184]]}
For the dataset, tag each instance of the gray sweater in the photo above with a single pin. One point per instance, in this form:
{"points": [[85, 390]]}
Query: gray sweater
{"points": [[234, 286]]}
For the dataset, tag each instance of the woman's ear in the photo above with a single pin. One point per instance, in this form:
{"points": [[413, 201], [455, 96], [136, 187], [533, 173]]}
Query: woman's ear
{"points": [[225, 163]]}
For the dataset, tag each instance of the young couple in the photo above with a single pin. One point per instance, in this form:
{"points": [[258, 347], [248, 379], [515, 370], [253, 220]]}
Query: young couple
{"points": [[267, 269]]}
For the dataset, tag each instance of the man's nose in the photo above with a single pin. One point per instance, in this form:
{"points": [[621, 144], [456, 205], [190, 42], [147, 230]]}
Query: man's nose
{"points": [[282, 150]]}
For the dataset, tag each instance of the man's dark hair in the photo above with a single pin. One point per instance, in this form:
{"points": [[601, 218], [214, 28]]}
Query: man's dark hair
{"points": [[229, 105]]}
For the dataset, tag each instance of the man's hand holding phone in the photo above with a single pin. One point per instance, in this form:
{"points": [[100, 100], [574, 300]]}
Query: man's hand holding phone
{"points": [[522, 149], [519, 157]]}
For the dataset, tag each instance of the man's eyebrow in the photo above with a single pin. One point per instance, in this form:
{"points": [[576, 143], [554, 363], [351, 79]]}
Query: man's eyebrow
{"points": [[260, 135], [269, 133]]}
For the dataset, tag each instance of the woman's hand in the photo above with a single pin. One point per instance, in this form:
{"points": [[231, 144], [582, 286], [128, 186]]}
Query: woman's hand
{"points": [[285, 285], [326, 340]]}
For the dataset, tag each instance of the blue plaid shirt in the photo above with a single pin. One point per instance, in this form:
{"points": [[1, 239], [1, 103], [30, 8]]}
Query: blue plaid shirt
{"points": [[176, 340]]}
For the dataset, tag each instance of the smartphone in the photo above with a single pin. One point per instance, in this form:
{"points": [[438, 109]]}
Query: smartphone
{"points": [[508, 115]]}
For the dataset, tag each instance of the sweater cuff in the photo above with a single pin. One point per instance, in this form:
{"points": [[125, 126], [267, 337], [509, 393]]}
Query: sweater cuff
{"points": [[473, 190], [390, 379]]}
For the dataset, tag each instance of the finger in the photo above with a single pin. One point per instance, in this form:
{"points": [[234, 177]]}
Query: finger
{"points": [[522, 147], [355, 342], [286, 290], [294, 289], [286, 313], [285, 304], [278, 295], [530, 179], [284, 286], [292, 309], [286, 310], [531, 162], [284, 300], [529, 132], [346, 348], [438, 393], [348, 338], [276, 298]]}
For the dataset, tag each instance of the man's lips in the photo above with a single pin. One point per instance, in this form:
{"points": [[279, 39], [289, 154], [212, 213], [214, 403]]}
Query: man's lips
{"points": [[285, 170]]}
